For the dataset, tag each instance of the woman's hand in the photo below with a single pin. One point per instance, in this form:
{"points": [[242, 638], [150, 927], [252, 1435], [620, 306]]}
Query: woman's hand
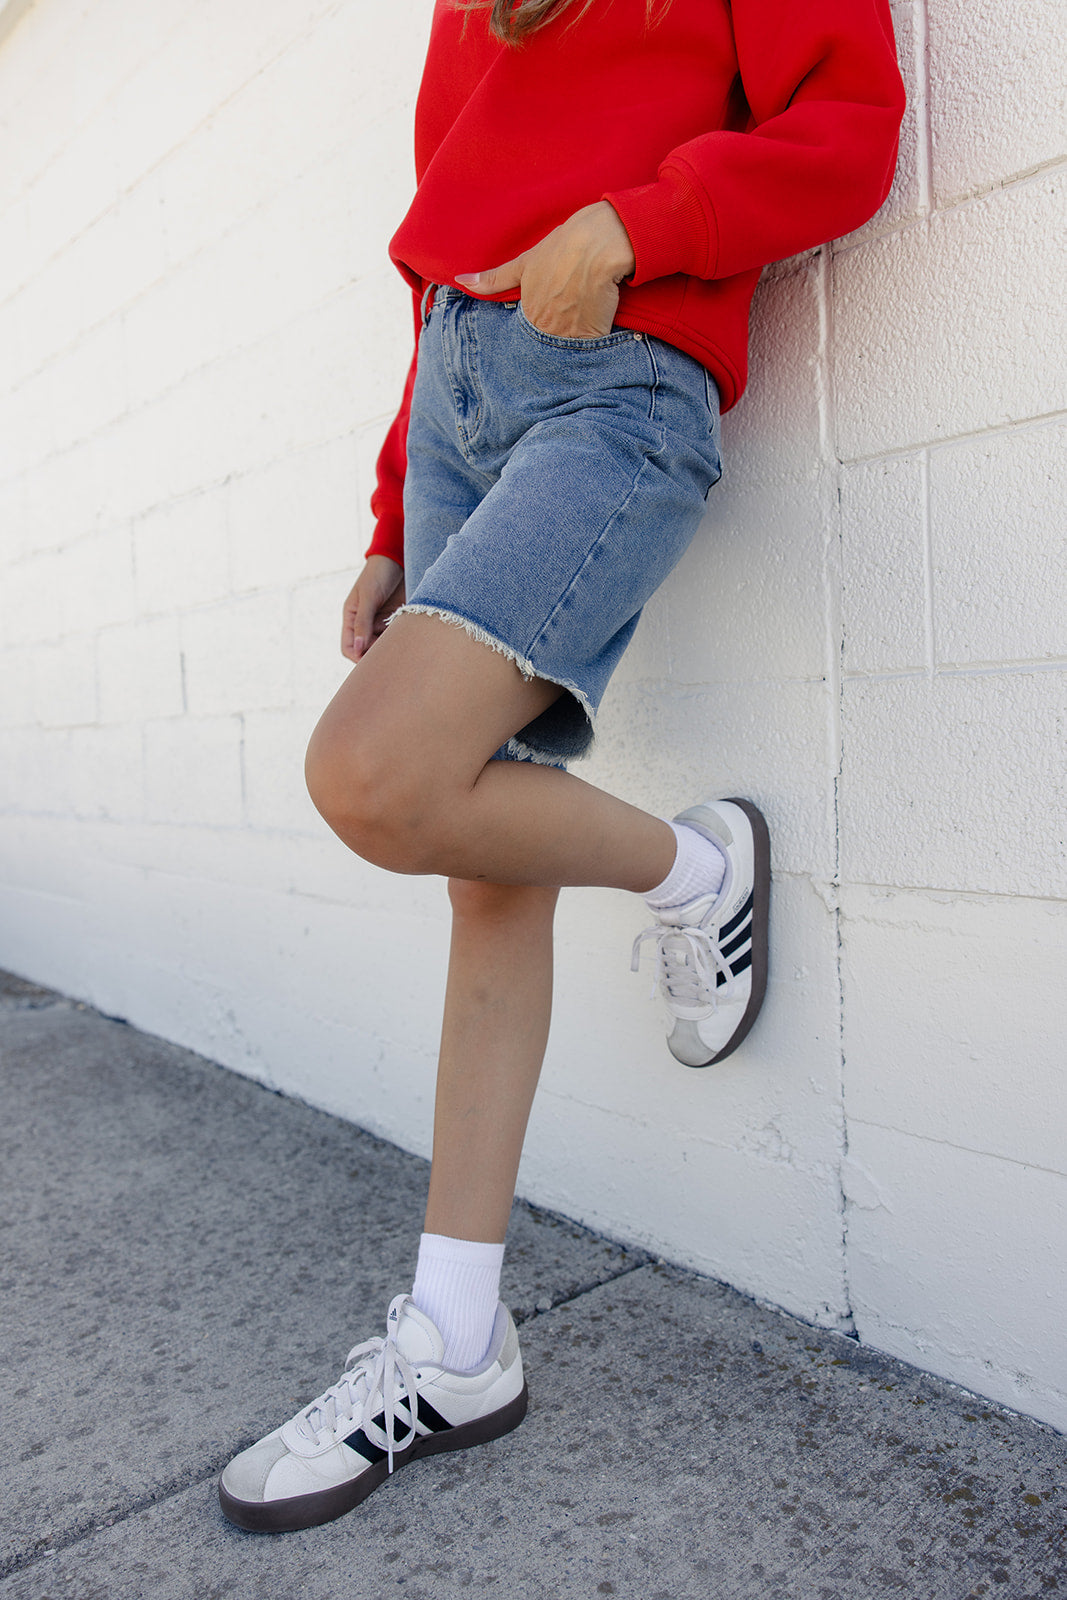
{"points": [[569, 282], [375, 595]]}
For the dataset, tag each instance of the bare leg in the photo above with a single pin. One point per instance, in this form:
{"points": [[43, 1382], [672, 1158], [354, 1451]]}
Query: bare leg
{"points": [[400, 767], [497, 1011]]}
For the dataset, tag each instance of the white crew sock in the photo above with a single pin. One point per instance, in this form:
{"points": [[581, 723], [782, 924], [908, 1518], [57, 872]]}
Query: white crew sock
{"points": [[699, 868], [457, 1285]]}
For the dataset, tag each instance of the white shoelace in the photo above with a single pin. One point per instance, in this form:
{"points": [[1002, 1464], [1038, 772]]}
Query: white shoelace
{"points": [[371, 1371], [688, 963]]}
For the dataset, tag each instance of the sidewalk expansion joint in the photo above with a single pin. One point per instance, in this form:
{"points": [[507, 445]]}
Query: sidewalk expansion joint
{"points": [[543, 1309], [41, 1557], [171, 1491]]}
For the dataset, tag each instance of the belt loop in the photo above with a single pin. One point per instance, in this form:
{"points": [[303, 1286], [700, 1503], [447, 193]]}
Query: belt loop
{"points": [[427, 302]]}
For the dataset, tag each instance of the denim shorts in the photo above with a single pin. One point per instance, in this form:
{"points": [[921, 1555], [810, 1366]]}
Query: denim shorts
{"points": [[552, 484]]}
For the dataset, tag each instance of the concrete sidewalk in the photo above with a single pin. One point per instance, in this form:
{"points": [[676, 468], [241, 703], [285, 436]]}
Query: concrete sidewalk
{"points": [[188, 1257]]}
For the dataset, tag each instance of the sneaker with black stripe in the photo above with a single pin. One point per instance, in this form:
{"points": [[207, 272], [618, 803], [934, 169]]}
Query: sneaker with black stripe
{"points": [[395, 1401], [711, 952]]}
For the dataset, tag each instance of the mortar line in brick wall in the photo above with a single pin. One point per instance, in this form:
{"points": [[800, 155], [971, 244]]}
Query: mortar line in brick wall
{"points": [[964, 1149], [850, 243], [1007, 180], [947, 892], [168, 501], [963, 669], [118, 313], [921, 220], [985, 669], [929, 637], [848, 1314], [923, 124], [173, 266], [159, 48], [233, 353], [238, 218], [1042, 419], [824, 267], [835, 645], [832, 542]]}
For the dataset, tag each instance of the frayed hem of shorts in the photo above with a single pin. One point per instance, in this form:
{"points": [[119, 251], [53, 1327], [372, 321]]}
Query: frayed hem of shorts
{"points": [[516, 747], [520, 751]]}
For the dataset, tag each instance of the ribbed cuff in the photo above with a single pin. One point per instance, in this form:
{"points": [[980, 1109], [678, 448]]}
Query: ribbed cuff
{"points": [[457, 1285], [671, 225], [699, 868]]}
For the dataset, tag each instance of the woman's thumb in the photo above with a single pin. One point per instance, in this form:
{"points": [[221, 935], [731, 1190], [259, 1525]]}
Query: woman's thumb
{"points": [[493, 280]]}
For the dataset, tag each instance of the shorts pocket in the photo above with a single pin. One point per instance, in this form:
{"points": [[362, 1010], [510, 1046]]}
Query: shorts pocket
{"points": [[555, 342]]}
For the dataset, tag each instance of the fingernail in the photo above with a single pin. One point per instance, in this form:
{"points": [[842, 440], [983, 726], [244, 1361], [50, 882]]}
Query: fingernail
{"points": [[471, 279], [358, 646]]}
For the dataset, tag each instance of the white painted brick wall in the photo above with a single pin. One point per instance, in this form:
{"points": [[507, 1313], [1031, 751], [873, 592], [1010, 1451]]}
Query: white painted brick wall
{"points": [[1004, 111], [139, 670], [201, 344]]}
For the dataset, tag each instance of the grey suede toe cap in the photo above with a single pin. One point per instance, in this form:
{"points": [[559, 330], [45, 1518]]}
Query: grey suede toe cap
{"points": [[246, 1476]]}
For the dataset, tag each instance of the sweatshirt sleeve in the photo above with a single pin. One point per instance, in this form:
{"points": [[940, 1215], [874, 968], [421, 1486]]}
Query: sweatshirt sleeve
{"points": [[387, 501], [817, 160]]}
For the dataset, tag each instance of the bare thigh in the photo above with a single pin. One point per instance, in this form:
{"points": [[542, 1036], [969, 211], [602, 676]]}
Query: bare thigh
{"points": [[400, 767], [427, 701]]}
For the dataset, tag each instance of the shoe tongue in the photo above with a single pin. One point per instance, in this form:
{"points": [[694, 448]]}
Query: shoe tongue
{"points": [[417, 1338], [689, 915]]}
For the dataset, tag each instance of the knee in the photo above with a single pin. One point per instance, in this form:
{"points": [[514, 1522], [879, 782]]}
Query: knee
{"points": [[474, 901], [369, 796]]}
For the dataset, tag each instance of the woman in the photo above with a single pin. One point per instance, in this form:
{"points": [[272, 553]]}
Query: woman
{"points": [[599, 186]]}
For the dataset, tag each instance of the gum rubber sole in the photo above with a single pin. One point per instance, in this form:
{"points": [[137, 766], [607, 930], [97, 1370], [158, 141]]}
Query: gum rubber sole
{"points": [[761, 903], [761, 896], [309, 1510]]}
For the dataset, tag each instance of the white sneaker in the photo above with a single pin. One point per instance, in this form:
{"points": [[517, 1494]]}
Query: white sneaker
{"points": [[394, 1402], [711, 952]]}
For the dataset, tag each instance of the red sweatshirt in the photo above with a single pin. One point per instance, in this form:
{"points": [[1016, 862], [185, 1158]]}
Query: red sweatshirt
{"points": [[728, 134]]}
